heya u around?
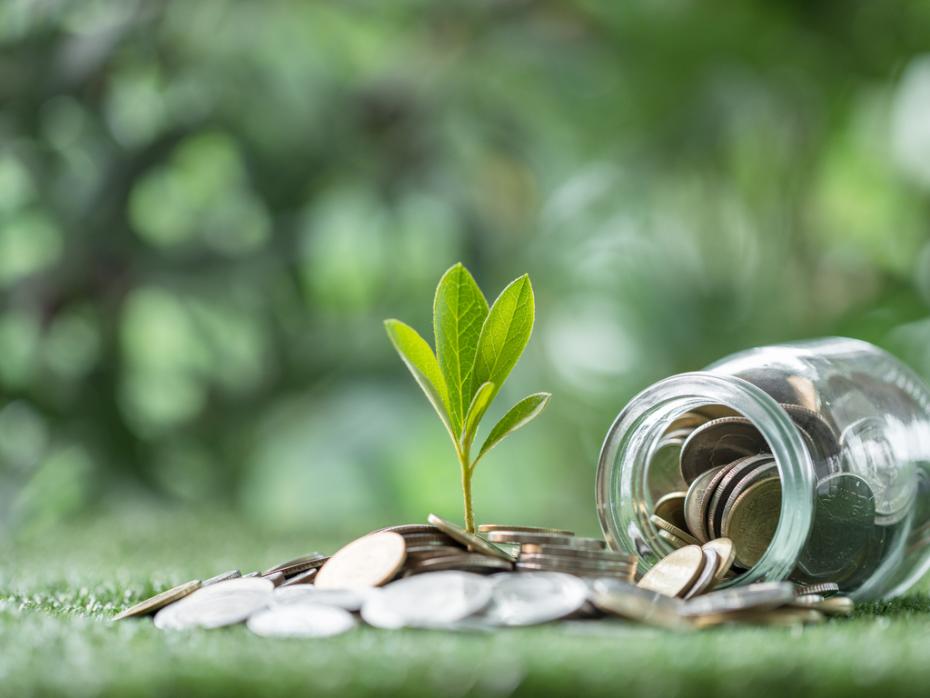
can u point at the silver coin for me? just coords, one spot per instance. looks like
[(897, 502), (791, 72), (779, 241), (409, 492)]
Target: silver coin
[(546, 539), (821, 589), (212, 610), (633, 603), (301, 579), (301, 620), (534, 598), (299, 564), (569, 552), (888, 472), (222, 577), (462, 561), (663, 474), (844, 522), (765, 595), (591, 563), (348, 599), (427, 600), (719, 442)]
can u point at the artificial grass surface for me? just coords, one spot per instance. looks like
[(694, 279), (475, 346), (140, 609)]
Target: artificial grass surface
[(58, 592)]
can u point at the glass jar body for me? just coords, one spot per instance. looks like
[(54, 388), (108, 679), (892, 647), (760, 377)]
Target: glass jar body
[(848, 426)]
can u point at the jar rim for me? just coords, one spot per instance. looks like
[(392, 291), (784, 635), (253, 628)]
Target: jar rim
[(622, 462)]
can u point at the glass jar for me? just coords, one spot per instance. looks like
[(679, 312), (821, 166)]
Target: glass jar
[(847, 430)]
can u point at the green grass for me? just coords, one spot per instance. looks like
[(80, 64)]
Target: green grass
[(57, 593)]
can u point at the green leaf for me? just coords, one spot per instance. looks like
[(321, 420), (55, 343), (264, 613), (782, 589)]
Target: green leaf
[(479, 405), (459, 310), (505, 332), (421, 361), (519, 415)]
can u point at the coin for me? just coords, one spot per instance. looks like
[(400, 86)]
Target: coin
[(410, 529), (674, 573), (687, 421), (419, 540), (836, 606), (546, 539), (694, 503), (470, 540), (566, 551), (732, 475), (487, 528), (726, 554), (785, 616), (662, 471), (424, 552), (634, 603), (366, 562), (301, 620), (674, 530), (762, 596), (707, 577), (428, 600), (301, 579), (879, 462), (821, 589), (298, 564), (671, 539), (812, 423), (751, 521), (472, 562), (842, 529), (276, 578), (575, 562), (671, 507), (221, 577), (719, 442), (348, 599), (535, 597), (160, 600), (218, 605)]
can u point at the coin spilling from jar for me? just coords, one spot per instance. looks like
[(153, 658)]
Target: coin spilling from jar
[(439, 576), (712, 475)]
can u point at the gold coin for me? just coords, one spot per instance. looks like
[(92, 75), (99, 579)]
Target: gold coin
[(671, 539), (675, 573), (689, 421), (569, 552), (751, 522), (694, 503), (673, 529), (836, 606), (706, 579), (369, 561), (735, 472), (160, 600), (470, 540), (671, 507), (726, 554), (487, 528)]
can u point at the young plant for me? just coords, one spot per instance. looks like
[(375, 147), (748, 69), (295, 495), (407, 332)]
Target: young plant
[(476, 348)]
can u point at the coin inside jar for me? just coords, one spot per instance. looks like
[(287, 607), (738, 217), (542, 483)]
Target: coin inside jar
[(719, 442), (751, 520)]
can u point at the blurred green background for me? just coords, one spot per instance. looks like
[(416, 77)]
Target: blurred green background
[(207, 208)]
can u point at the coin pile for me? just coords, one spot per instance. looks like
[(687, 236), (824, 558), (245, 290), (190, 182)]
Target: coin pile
[(712, 475), (437, 575)]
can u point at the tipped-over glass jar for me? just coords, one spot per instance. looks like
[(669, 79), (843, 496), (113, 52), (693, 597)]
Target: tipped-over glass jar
[(814, 458)]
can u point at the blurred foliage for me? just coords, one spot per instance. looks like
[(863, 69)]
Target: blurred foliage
[(206, 209)]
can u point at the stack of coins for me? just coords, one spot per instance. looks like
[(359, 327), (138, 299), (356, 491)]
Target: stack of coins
[(558, 550), (438, 575), (713, 476)]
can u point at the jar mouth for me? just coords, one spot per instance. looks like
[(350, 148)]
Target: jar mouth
[(623, 500)]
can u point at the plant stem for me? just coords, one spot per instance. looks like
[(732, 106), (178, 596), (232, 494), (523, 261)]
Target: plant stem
[(466, 492)]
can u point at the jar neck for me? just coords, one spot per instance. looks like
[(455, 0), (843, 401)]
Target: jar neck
[(623, 499)]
